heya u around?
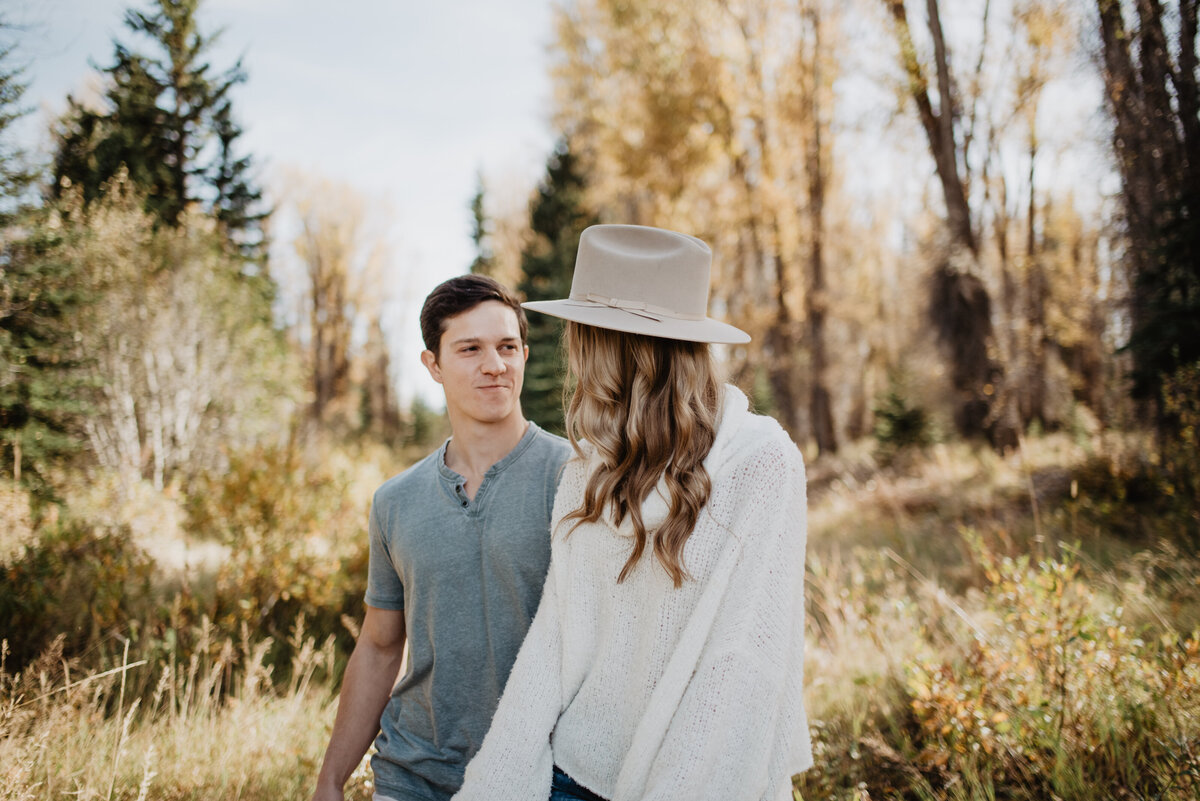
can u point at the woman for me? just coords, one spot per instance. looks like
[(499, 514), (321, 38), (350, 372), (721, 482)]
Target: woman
[(665, 660)]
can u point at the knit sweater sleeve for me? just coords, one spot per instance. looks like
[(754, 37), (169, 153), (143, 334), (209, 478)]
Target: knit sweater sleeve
[(739, 709)]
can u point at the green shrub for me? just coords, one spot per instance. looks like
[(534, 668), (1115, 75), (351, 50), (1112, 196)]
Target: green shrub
[(78, 580), (1146, 494), (297, 542), (294, 528), (899, 425), (1062, 698), (1181, 451)]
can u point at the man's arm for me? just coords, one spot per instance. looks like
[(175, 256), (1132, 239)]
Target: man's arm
[(370, 676)]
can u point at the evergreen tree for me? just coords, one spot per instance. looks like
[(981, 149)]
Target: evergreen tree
[(39, 403), (15, 176), (1166, 337), (483, 257), (557, 217), (40, 395), (1152, 78), (169, 121), (238, 202)]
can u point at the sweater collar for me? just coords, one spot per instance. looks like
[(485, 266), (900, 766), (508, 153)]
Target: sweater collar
[(733, 411)]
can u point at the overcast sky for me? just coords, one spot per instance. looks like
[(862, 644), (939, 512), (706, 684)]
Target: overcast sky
[(407, 101)]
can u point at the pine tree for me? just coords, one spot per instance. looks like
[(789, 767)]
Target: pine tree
[(238, 202), (1152, 78), (39, 402), (557, 217), (169, 121), (15, 176), (482, 265), (40, 395), (1165, 341)]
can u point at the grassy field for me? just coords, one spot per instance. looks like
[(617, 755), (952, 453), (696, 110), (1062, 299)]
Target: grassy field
[(1019, 627)]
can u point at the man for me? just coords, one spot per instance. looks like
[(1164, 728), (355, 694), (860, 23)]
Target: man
[(459, 549)]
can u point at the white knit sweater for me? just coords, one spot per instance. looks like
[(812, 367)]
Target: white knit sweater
[(641, 691)]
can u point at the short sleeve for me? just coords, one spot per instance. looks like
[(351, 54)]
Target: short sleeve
[(384, 588)]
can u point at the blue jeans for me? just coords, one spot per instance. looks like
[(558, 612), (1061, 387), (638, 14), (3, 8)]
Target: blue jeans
[(564, 788)]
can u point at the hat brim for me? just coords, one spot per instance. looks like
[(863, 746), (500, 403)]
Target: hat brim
[(646, 323)]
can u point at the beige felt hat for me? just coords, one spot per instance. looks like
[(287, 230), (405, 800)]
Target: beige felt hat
[(642, 280)]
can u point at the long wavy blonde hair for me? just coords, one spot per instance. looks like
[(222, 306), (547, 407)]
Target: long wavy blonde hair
[(649, 407)]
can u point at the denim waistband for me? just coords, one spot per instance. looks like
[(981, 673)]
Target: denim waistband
[(568, 788)]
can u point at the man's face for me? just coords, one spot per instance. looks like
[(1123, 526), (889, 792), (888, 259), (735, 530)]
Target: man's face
[(481, 363)]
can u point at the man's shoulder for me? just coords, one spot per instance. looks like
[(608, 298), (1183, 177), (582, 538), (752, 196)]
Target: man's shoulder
[(542, 462), (550, 446), (412, 480)]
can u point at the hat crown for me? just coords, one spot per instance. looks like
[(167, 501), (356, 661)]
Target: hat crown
[(634, 266), (642, 280)]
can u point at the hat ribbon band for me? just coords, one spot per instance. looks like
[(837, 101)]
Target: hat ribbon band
[(640, 308)]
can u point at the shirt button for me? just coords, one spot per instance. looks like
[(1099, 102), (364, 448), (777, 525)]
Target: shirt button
[(464, 504)]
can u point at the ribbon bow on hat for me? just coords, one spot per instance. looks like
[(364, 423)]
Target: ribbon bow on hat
[(647, 310)]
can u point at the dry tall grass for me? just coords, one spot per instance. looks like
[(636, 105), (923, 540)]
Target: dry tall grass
[(216, 726)]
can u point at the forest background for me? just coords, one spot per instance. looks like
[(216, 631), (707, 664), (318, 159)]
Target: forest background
[(994, 373)]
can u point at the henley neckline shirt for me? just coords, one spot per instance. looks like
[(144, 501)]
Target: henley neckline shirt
[(468, 575)]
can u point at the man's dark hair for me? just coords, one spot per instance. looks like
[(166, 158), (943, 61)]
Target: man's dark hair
[(461, 294)]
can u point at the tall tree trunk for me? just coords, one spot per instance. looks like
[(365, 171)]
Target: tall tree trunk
[(1008, 283), (1035, 316), (820, 403), (1130, 138), (939, 124), (780, 345), (379, 400), (781, 341), (960, 306), (1156, 139), (1187, 90)]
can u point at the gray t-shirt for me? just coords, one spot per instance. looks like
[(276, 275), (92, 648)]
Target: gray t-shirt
[(468, 575)]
